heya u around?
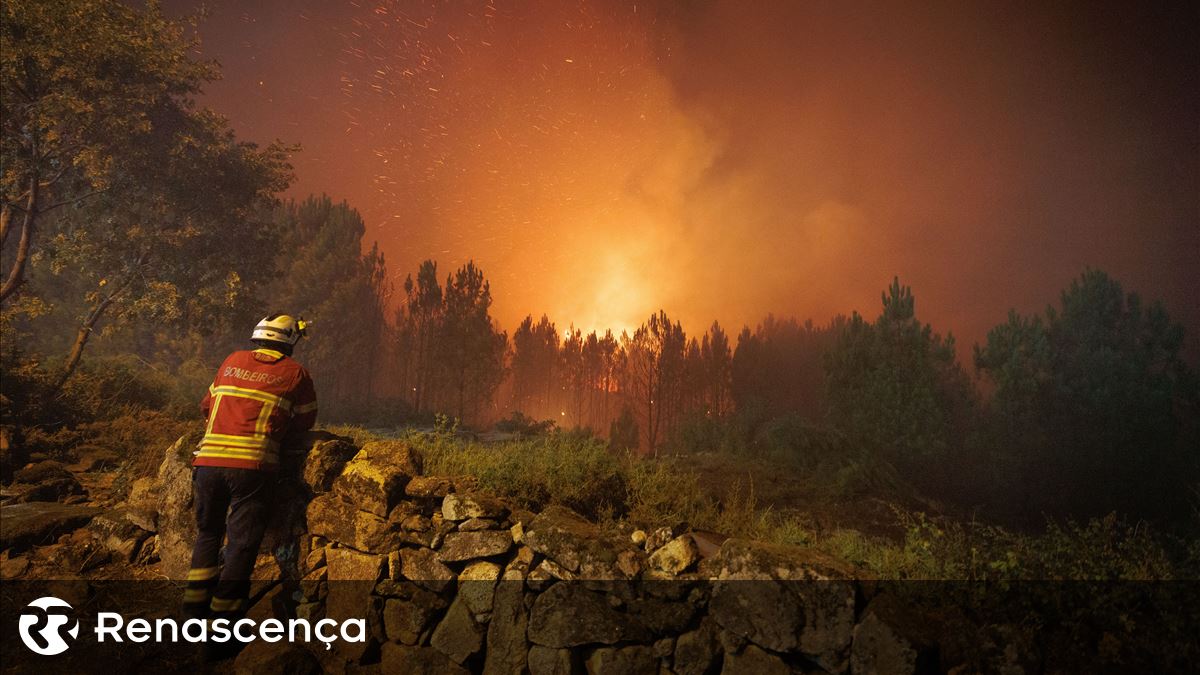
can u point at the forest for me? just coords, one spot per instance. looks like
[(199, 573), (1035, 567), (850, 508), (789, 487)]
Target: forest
[(142, 239)]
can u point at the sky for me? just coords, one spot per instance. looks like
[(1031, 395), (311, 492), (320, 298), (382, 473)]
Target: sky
[(724, 159)]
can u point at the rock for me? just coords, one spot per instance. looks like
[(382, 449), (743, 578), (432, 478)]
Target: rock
[(545, 661), (638, 537), (888, 639), (518, 532), (506, 647), (405, 660), (36, 523), (763, 611), (331, 516), (569, 540), (472, 505), (696, 650), (458, 636), (314, 559), (176, 521), (828, 621), (325, 462), (568, 615), (407, 617), (275, 658), (416, 523), (429, 487), (348, 565), (143, 496), (658, 538), (122, 531), (675, 556), (95, 459), (755, 661), (13, 452), (421, 566), (374, 479), (477, 524), (476, 586), (620, 660), (459, 546), (11, 568), (46, 481)]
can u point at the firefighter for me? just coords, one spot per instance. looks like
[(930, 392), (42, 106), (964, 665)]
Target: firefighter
[(257, 397)]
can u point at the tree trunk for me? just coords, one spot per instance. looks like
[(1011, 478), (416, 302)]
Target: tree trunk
[(81, 338), (16, 276)]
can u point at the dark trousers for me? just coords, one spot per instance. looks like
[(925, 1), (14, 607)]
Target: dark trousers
[(246, 496)]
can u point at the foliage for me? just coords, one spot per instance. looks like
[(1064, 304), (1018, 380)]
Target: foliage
[(1089, 405), (623, 433), (895, 389), (518, 423)]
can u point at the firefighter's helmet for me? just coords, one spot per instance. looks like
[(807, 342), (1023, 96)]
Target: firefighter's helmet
[(280, 328)]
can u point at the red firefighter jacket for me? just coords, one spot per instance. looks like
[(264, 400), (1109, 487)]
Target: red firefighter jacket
[(256, 398)]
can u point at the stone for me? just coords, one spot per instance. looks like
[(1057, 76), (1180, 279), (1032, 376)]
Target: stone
[(658, 538), (315, 559), (476, 586), (459, 546), (477, 524), (507, 650), (331, 516), (143, 496), (275, 658), (472, 505), (46, 481), (11, 568), (755, 661), (888, 640), (568, 615), (421, 566), (37, 523), (406, 618), (13, 452), (545, 661), (406, 660), (415, 523), (569, 540), (695, 651), (635, 660), (95, 459), (676, 556), (518, 532), (122, 531), (638, 537), (429, 487), (325, 462), (348, 565), (762, 611), (176, 521), (458, 636), (375, 478)]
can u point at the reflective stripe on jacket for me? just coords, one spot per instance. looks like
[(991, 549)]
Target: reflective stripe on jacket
[(257, 397)]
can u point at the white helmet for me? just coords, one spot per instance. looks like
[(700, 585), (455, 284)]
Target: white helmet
[(280, 328)]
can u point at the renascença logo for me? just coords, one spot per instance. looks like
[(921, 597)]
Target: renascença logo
[(44, 625)]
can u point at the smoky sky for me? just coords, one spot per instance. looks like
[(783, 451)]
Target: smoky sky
[(727, 159)]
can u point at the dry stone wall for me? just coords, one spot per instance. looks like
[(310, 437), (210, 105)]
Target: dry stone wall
[(454, 580)]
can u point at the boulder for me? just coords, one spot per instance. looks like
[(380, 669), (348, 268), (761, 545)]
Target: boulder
[(421, 566), (37, 523), (122, 531), (635, 660), (348, 565), (546, 661), (888, 639), (477, 524), (46, 481), (696, 650), (676, 556), (275, 658), (325, 462), (506, 647), (375, 478), (472, 505), (407, 616), (176, 521), (458, 546), (572, 542), (332, 517), (755, 661), (405, 660), (429, 487), (143, 495), (568, 615), (477, 585), (458, 636)]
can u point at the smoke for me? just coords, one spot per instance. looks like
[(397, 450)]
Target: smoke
[(724, 159)]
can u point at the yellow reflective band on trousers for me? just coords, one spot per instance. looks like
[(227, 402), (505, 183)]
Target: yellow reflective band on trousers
[(202, 573), (226, 604), (196, 596)]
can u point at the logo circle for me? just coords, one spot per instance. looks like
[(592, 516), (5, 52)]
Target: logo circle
[(44, 625)]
